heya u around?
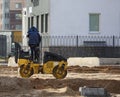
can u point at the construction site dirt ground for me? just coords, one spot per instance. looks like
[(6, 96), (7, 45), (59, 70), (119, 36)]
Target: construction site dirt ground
[(45, 85)]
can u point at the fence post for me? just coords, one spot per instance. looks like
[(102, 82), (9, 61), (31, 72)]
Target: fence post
[(113, 40), (77, 40), (77, 52)]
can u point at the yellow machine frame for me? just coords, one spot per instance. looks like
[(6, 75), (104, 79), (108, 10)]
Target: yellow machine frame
[(28, 68)]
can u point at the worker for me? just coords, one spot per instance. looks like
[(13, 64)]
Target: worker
[(34, 41)]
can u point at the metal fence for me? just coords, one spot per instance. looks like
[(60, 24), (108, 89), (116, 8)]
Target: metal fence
[(78, 41), (71, 46), (83, 46)]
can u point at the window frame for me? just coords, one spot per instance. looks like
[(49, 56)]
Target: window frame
[(37, 22), (46, 22), (32, 21), (93, 22), (18, 16), (42, 23), (18, 27), (18, 5)]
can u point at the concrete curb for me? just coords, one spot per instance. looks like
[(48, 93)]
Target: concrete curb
[(80, 61), (85, 61), (92, 61)]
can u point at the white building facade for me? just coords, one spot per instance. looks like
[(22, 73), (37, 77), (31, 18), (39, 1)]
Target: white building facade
[(74, 17), (4, 14), (85, 17)]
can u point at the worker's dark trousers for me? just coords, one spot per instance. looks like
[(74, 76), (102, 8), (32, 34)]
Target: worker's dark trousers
[(34, 52)]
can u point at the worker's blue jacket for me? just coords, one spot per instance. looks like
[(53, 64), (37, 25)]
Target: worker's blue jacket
[(34, 36)]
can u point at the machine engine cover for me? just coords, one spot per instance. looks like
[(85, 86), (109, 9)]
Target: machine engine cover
[(49, 56)]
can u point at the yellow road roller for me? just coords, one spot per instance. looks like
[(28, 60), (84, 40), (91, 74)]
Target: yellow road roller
[(52, 64)]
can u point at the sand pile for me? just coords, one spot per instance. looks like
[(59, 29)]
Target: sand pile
[(54, 87), (100, 69), (14, 83), (41, 87), (112, 86)]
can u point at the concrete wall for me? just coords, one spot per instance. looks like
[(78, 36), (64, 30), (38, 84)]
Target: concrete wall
[(42, 8), (71, 17), (92, 61), (109, 61), (86, 61), (32, 10), (13, 4), (83, 61)]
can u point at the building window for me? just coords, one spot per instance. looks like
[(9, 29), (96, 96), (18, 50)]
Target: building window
[(35, 2), (42, 23), (32, 21), (18, 16), (37, 22), (18, 5), (18, 27), (6, 4), (28, 22), (6, 26), (94, 22), (46, 22), (6, 15), (12, 26)]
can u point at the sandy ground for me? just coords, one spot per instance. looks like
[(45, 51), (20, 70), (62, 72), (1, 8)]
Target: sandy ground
[(45, 85)]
